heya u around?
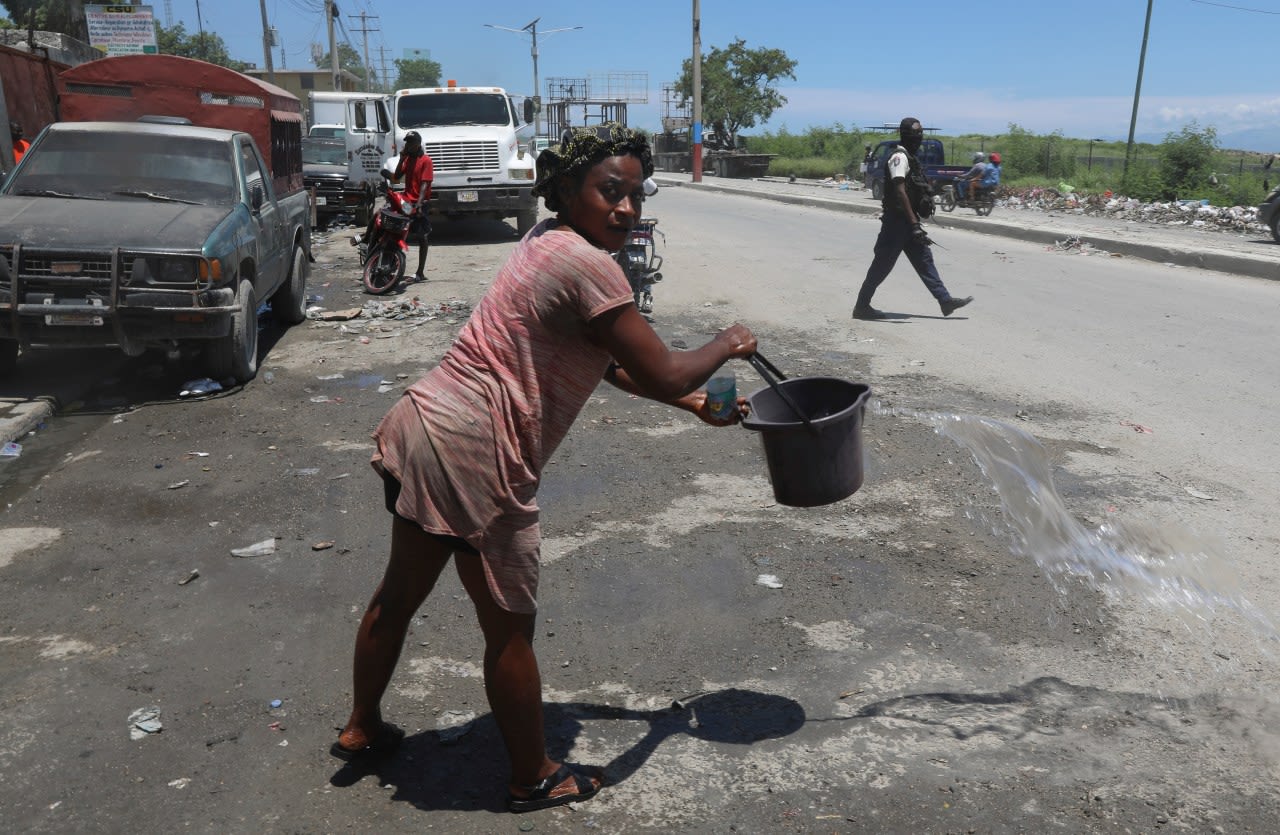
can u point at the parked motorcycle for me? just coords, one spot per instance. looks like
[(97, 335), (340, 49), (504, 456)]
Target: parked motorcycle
[(641, 262), (981, 200), (385, 251)]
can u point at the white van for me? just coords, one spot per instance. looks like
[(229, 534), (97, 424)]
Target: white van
[(480, 144)]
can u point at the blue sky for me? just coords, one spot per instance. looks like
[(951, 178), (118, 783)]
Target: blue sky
[(966, 67)]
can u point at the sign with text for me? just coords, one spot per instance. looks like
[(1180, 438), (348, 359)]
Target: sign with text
[(122, 30)]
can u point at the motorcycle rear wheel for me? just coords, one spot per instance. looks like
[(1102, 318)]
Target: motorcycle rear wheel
[(383, 270), (947, 200), (984, 208)]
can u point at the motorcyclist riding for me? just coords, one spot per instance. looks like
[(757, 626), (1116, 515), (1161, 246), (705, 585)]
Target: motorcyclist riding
[(973, 176)]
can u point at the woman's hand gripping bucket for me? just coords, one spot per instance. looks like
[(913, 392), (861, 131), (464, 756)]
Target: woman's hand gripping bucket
[(811, 429)]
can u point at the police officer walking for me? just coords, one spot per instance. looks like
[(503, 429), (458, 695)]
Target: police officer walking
[(907, 200)]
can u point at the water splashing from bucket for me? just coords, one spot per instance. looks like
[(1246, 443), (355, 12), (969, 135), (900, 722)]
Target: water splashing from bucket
[(1162, 565)]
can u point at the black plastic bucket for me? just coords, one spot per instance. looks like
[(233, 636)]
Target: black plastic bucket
[(818, 462)]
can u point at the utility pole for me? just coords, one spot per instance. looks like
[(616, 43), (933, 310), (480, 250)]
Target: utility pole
[(697, 91), (331, 11), (365, 30), (532, 28), (266, 42), (382, 64), (1137, 91)]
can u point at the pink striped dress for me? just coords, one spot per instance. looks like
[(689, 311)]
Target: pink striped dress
[(469, 440)]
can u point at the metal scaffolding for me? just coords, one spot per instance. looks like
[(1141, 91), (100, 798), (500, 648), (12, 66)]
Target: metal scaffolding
[(585, 101)]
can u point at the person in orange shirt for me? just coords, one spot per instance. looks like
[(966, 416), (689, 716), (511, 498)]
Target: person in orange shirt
[(20, 145)]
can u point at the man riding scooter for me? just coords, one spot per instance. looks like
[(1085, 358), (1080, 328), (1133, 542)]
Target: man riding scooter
[(972, 177)]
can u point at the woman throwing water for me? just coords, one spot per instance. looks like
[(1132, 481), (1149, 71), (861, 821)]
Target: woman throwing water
[(461, 454)]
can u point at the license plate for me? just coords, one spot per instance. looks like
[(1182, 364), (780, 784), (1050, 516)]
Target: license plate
[(81, 319), (73, 319), (321, 201), (470, 196)]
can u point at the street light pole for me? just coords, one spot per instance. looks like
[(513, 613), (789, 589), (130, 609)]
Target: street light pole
[(532, 29)]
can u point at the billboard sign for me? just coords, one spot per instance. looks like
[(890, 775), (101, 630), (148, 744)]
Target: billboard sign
[(121, 30)]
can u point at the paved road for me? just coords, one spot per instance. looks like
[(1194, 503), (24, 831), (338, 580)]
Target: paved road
[(25, 403), (911, 674)]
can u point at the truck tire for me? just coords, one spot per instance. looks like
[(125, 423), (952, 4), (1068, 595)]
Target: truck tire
[(526, 220), (8, 356), (289, 304), (236, 354), (877, 189)]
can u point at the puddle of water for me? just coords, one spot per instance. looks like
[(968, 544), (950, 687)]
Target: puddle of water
[(1163, 565)]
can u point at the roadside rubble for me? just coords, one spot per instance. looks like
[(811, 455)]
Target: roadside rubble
[(1193, 213), (374, 313)]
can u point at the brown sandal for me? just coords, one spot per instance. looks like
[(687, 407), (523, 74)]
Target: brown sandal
[(386, 742)]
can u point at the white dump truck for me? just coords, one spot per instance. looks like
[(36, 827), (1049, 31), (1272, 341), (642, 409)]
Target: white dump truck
[(480, 143)]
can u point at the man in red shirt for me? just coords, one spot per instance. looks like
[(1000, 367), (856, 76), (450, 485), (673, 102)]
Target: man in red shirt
[(418, 171)]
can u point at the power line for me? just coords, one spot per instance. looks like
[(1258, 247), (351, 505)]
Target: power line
[(1237, 8)]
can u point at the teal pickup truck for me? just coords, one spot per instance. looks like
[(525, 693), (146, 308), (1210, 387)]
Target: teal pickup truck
[(161, 213), (932, 157), (145, 236)]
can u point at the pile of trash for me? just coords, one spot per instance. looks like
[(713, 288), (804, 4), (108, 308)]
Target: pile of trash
[(1195, 213), (398, 310)]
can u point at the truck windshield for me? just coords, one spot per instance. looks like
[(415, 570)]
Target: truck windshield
[(103, 164), (426, 110), (324, 152)]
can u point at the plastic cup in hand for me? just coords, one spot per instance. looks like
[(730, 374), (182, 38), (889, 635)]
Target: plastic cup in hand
[(722, 396)]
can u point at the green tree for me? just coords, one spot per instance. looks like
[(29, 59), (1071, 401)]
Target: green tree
[(66, 16), (1026, 154), (416, 72), (206, 46), (348, 59), (1185, 161), (738, 87)]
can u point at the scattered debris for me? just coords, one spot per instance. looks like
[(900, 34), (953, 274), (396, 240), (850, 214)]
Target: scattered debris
[(321, 546), (195, 572), (1196, 494), (178, 485), (144, 721), (769, 581), (258, 549), (1137, 427), (10, 450), (337, 315), (180, 783), (195, 388), (1194, 213)]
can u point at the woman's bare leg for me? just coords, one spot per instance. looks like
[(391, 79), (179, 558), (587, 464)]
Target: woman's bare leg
[(511, 679), (417, 558)]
